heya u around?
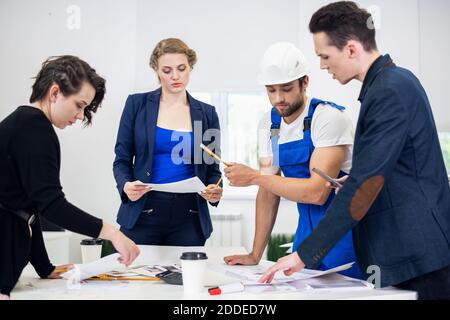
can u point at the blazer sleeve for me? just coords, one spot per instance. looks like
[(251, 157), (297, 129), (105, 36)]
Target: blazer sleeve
[(124, 149), (375, 156), (213, 173)]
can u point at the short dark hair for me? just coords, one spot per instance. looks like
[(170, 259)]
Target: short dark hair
[(343, 21), (301, 81), (69, 73)]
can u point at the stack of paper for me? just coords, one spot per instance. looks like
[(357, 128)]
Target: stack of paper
[(110, 268), (306, 279), (191, 185)]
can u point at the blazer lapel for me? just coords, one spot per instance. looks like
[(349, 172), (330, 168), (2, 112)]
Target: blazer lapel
[(152, 109), (196, 121)]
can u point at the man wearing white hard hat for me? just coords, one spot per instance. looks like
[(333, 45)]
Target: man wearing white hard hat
[(297, 135)]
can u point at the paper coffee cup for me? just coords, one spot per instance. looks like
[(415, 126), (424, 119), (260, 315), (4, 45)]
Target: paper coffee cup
[(193, 266), (91, 250)]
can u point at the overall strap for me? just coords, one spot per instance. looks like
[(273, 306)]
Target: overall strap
[(312, 107), (274, 135)]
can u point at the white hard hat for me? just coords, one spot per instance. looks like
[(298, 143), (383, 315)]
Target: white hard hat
[(282, 63)]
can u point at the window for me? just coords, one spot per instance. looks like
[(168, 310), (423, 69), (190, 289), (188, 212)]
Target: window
[(445, 146), (239, 114), (244, 113)]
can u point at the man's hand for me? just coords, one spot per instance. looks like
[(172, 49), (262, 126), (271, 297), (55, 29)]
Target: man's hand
[(289, 264), (240, 175), (242, 259), (135, 190), (340, 180), (4, 297)]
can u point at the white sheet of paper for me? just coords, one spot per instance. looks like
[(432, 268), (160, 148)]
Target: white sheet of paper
[(308, 273), (191, 185), (251, 274), (306, 279), (330, 281), (88, 270)]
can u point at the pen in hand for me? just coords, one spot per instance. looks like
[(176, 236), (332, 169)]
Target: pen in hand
[(218, 182), (212, 154)]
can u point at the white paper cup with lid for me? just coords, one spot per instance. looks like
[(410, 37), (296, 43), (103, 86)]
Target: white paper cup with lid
[(91, 250), (193, 266)]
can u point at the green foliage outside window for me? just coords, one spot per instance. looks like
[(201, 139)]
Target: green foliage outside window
[(274, 252), (445, 146)]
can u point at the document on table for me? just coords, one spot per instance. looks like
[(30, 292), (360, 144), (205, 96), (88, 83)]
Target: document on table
[(191, 185), (331, 281), (88, 270), (251, 274), (306, 279), (109, 265)]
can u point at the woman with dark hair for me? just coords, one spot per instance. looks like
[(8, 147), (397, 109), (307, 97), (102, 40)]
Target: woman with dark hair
[(66, 89), (152, 128)]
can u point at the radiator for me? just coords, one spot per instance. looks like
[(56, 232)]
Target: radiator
[(227, 230)]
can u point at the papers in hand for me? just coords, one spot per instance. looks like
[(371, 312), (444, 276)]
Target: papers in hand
[(191, 185), (88, 270)]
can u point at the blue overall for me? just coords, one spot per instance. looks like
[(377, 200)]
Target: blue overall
[(293, 159)]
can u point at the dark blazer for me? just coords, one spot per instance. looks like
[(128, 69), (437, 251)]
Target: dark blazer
[(134, 152), (397, 196)]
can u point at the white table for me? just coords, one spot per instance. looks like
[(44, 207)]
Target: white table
[(31, 287)]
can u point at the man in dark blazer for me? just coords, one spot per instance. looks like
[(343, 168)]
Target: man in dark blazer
[(397, 197)]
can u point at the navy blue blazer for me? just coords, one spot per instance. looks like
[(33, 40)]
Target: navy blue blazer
[(134, 152), (403, 226)]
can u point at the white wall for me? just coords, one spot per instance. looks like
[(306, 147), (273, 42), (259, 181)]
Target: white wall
[(434, 63), (30, 31), (228, 36), (116, 37)]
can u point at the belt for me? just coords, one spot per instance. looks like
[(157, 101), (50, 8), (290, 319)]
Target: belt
[(29, 218)]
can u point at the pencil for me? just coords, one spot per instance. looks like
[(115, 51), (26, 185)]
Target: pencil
[(218, 182), (123, 279), (61, 269), (106, 277), (212, 154)]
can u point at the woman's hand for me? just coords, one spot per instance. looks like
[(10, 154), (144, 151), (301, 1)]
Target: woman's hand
[(59, 270), (135, 190), (4, 297), (212, 193), (127, 249)]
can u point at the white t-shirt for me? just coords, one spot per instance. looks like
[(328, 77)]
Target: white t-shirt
[(329, 127)]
